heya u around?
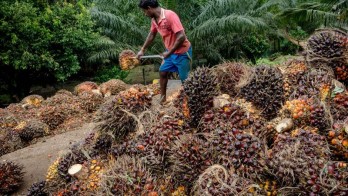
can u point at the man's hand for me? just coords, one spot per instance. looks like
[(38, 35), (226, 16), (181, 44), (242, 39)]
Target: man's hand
[(140, 53), (165, 55)]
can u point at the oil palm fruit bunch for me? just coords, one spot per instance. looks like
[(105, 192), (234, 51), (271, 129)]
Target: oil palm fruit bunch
[(85, 86), (73, 157), (292, 72), (112, 87), (341, 71), (103, 143), (265, 90), (115, 113), (298, 109), (37, 189), (155, 145), (32, 101), (339, 107), (338, 139), (128, 176), (327, 45), (329, 180), (53, 116), (318, 116), (58, 108), (154, 88), (129, 147), (291, 155), (227, 117), (64, 92), (127, 60), (189, 156), (11, 177), (7, 119), (314, 83), (238, 150), (113, 119), (28, 130), (230, 75), (181, 103), (200, 88), (217, 180), (90, 101)]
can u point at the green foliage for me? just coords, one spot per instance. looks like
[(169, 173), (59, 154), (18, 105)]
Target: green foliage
[(277, 59), (107, 73), (123, 26), (222, 29), (255, 46), (41, 45)]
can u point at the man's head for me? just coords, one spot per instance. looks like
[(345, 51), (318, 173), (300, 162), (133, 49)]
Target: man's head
[(149, 6)]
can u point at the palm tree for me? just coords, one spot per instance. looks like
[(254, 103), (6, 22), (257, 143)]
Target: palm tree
[(123, 25), (309, 15), (223, 25)]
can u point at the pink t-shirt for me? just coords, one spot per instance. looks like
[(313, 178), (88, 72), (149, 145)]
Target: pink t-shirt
[(169, 24)]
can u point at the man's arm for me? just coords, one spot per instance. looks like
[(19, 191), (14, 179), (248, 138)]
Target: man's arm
[(180, 38), (148, 41)]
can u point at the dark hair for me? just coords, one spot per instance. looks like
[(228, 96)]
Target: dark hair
[(145, 4)]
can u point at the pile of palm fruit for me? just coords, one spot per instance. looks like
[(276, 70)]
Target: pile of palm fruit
[(231, 130), (24, 123), (224, 133)]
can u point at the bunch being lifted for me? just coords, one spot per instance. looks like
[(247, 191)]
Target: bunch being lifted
[(266, 130)]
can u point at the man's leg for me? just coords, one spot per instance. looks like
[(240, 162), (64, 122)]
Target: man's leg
[(163, 85), (165, 68)]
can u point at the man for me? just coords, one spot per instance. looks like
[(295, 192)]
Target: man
[(177, 57)]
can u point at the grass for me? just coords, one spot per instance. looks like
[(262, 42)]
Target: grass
[(135, 75)]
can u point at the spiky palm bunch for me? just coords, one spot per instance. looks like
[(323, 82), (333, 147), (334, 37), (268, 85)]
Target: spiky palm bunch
[(331, 179), (58, 108), (338, 139), (155, 145), (32, 101), (127, 60), (189, 156), (227, 117), (37, 189), (112, 87), (327, 45), (200, 88), (103, 143), (339, 107), (238, 150), (90, 101), (312, 83), (217, 180), (116, 113), (127, 176), (11, 177), (28, 130), (85, 86), (265, 90), (230, 75), (293, 155), (293, 70)]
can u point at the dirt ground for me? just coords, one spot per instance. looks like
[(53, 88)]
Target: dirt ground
[(38, 157)]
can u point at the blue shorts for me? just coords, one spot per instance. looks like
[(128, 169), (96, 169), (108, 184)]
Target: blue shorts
[(180, 63)]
